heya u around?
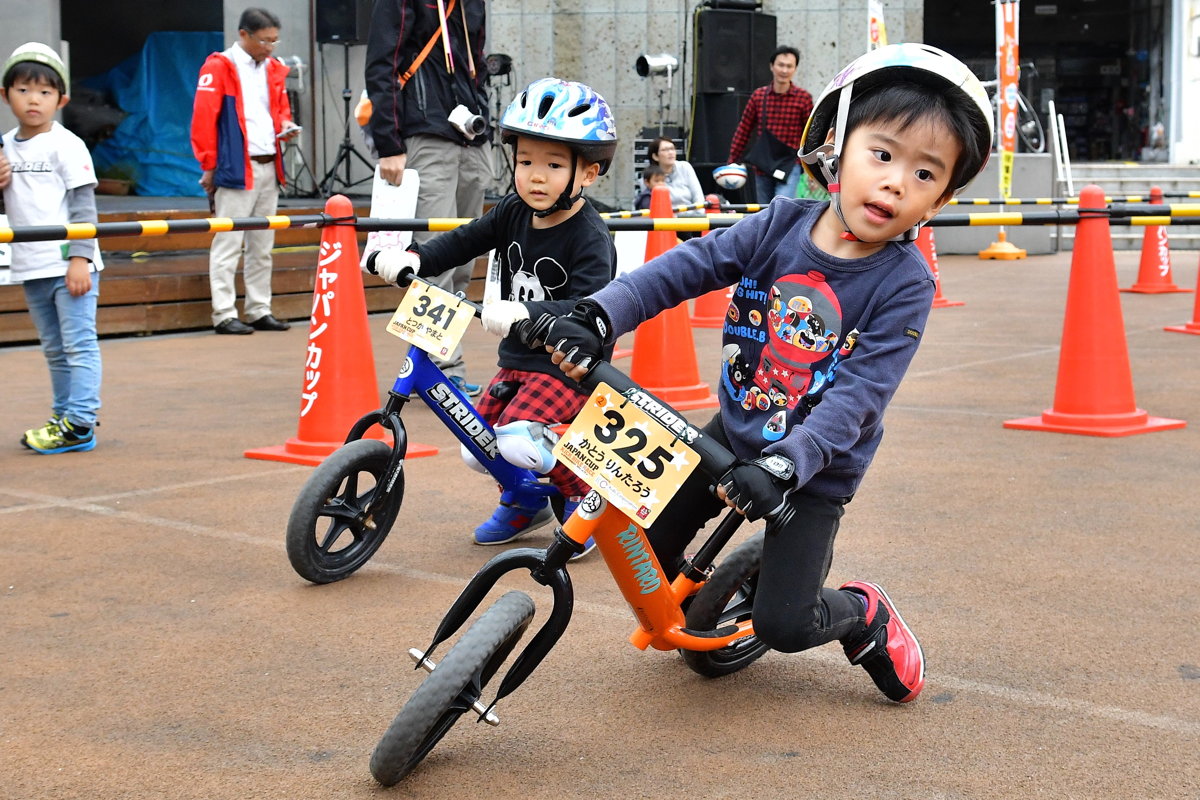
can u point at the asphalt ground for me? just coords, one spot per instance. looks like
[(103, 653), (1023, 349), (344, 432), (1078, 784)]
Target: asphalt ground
[(156, 643)]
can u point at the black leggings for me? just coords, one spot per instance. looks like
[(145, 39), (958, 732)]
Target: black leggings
[(793, 610)]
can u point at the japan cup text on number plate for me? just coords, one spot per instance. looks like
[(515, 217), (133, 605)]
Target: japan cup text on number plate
[(625, 455), (431, 319)]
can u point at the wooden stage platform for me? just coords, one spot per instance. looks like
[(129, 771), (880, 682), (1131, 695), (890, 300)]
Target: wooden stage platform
[(158, 284)]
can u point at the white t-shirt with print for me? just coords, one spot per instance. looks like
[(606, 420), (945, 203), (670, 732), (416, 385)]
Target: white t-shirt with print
[(44, 169)]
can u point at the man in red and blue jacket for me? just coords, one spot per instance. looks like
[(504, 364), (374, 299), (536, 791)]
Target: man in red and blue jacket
[(240, 117)]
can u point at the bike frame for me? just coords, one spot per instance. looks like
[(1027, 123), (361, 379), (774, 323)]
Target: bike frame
[(420, 375), (657, 605)]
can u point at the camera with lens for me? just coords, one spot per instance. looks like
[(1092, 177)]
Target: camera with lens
[(468, 124)]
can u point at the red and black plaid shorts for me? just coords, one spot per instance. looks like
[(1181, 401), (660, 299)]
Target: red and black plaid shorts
[(539, 398)]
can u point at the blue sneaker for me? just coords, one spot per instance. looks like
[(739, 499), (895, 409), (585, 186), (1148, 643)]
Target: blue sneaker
[(59, 437), (569, 506), (512, 522), (469, 389)]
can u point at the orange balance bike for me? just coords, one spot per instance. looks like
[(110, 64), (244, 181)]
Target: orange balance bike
[(635, 451)]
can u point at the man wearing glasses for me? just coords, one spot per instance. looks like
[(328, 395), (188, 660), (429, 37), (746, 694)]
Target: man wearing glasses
[(240, 119)]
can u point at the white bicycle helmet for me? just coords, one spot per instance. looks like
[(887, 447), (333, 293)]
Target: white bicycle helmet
[(563, 111), (918, 63), (42, 54)]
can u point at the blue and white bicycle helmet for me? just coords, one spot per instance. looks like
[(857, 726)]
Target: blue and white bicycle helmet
[(919, 63), (563, 111)]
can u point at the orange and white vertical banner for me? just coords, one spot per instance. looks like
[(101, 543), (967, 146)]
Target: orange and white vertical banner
[(1008, 72), (876, 30)]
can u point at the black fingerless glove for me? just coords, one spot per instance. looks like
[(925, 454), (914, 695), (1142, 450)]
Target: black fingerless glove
[(759, 488), (580, 335)]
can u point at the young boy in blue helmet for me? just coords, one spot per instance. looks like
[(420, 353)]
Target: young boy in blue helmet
[(552, 247), (831, 301)]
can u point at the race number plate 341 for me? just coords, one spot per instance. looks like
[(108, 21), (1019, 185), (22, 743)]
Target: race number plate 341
[(431, 319), (626, 455)]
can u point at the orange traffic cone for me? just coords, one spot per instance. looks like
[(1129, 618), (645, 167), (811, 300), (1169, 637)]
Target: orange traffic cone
[(708, 310), (339, 383), (929, 250), (1194, 325), (1094, 393), (1154, 271), (664, 354)]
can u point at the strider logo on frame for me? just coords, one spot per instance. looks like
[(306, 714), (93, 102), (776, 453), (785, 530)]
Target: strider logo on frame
[(665, 416), (464, 418)]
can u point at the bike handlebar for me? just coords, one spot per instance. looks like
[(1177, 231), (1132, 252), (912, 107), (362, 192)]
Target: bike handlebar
[(715, 459)]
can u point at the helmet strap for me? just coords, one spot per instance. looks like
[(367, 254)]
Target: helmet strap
[(564, 201)]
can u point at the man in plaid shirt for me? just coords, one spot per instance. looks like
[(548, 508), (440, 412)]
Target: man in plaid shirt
[(785, 108)]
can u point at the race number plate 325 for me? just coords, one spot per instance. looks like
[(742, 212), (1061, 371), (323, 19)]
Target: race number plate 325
[(626, 455), (431, 319)]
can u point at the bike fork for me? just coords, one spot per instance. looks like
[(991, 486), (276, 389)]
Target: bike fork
[(548, 568)]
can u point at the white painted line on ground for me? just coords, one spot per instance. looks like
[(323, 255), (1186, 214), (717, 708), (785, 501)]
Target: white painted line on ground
[(1020, 697)]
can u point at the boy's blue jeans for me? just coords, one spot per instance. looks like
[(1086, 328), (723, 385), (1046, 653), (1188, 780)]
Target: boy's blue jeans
[(767, 188), (66, 326)]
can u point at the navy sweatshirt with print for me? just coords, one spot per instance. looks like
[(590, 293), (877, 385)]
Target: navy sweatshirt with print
[(814, 346)]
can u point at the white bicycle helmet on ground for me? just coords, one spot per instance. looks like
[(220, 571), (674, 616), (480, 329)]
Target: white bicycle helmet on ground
[(918, 63), (563, 111)]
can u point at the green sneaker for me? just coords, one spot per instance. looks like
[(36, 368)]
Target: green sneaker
[(50, 423), (62, 437)]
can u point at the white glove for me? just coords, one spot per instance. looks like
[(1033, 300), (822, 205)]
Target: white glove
[(498, 317), (392, 263)]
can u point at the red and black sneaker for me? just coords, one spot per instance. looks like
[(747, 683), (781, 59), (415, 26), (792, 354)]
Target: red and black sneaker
[(887, 649)]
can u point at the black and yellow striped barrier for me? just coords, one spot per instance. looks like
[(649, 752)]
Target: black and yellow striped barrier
[(645, 212), (160, 227), (1010, 201), (1136, 215), (1061, 201)]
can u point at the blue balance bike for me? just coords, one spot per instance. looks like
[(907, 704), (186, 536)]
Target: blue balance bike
[(350, 502)]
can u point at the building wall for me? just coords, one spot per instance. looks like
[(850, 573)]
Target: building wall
[(595, 41), (599, 41), (1184, 133)]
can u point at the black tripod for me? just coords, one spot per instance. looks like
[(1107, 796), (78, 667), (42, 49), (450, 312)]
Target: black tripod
[(346, 152)]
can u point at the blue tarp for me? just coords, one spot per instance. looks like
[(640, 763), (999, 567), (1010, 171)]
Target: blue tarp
[(155, 88)]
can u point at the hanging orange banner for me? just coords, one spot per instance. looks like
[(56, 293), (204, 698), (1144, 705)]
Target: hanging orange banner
[(1008, 72), (876, 30)]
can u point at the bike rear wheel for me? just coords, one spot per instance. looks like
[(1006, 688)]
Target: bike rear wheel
[(451, 688), (727, 598), (343, 512), (1029, 127)]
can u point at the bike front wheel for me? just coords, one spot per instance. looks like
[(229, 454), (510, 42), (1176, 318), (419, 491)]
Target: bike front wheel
[(1029, 127), (343, 512), (727, 598), (451, 688)]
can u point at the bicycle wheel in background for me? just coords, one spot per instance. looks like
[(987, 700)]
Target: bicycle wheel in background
[(727, 598), (451, 688), (1029, 127), (330, 532)]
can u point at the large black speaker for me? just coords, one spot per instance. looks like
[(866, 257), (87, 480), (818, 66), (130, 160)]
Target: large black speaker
[(715, 118), (343, 21), (733, 49)]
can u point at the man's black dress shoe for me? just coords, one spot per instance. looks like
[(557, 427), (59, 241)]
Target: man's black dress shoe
[(233, 326), (269, 323)]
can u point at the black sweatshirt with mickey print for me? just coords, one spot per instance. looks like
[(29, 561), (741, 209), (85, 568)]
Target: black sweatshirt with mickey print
[(548, 269)]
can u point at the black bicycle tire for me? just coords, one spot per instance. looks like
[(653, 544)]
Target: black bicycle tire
[(324, 492), (465, 669), (1025, 109), (711, 609)]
